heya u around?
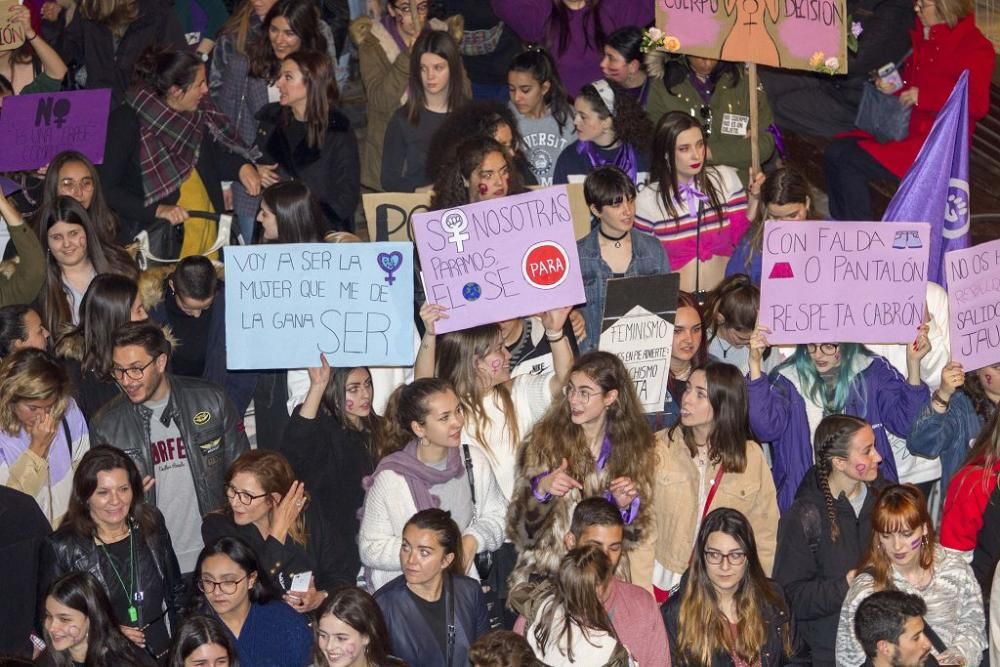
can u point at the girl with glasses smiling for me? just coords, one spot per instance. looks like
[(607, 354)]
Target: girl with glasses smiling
[(592, 441), (727, 613), (787, 404), (235, 589)]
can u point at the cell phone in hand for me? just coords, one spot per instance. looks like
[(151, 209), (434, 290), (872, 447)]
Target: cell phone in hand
[(889, 74)]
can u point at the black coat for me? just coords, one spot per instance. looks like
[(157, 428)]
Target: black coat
[(121, 174), (23, 527), (779, 625), (814, 576), (322, 554), (66, 551), (412, 639), (332, 171), (332, 462), (90, 44)]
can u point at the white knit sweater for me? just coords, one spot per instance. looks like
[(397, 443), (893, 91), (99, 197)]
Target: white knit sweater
[(954, 609), (389, 505)]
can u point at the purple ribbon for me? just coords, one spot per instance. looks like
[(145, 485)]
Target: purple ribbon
[(779, 141), (692, 196), (624, 159)]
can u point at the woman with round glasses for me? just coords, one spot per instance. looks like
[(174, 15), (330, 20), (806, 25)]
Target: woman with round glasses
[(593, 441), (267, 509), (110, 532), (233, 587), (787, 404), (727, 612), (707, 461)]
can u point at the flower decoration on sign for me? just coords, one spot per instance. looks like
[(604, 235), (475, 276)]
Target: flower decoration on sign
[(821, 63), (854, 34), (654, 39)]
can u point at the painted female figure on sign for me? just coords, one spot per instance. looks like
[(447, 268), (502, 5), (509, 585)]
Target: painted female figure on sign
[(749, 41)]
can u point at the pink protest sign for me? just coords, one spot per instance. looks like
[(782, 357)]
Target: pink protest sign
[(843, 282), (974, 304), (793, 34), (500, 259), (38, 127)]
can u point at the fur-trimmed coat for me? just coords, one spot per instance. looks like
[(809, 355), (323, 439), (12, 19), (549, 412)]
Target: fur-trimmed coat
[(537, 529)]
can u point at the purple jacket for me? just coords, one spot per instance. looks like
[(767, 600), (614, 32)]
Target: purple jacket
[(879, 394), (581, 62)]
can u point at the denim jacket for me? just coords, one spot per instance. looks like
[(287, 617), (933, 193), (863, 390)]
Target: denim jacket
[(648, 259)]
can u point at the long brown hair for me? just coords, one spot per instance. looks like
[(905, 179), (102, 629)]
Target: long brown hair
[(727, 394), (899, 507), (103, 458), (663, 169), (441, 44), (786, 185), (703, 627), (582, 572), (275, 475), (317, 73), (985, 451), (833, 440), (115, 15), (238, 25), (457, 354), (334, 400), (31, 375), (556, 437)]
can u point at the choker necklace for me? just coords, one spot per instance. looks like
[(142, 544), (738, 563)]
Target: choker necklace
[(605, 147), (616, 239)]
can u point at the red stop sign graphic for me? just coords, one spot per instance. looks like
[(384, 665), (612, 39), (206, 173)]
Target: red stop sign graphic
[(545, 265)]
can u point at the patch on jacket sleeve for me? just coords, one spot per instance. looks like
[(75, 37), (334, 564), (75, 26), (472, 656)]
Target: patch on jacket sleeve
[(202, 418)]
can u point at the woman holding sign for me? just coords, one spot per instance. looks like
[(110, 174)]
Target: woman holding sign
[(707, 461), (821, 379), (594, 440)]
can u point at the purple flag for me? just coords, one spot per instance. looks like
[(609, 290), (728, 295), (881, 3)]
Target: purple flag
[(936, 187)]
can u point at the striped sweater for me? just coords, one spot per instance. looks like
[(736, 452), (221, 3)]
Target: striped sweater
[(680, 236), (954, 609)]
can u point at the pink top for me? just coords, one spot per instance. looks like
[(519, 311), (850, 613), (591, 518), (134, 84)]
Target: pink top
[(680, 237)]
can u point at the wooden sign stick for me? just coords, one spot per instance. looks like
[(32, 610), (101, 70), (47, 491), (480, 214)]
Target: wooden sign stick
[(754, 130)]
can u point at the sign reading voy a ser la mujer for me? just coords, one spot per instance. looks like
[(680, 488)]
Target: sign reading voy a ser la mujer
[(843, 282), (500, 259)]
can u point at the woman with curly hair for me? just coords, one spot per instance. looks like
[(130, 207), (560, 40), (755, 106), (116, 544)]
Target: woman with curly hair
[(706, 461), (593, 441), (612, 129), (479, 171), (727, 612), (697, 212)]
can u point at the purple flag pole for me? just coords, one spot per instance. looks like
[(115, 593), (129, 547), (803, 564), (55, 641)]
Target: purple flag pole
[(936, 187)]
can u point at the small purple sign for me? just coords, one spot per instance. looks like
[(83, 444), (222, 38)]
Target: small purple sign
[(40, 126), (843, 282), (500, 259), (974, 304)]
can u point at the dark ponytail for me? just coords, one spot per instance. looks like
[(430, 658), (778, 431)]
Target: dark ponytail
[(539, 64), (448, 534), (161, 69), (407, 404), (833, 438)]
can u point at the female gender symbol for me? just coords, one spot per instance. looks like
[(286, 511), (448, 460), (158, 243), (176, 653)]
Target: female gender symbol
[(390, 263)]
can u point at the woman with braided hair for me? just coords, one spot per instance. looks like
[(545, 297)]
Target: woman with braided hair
[(821, 537)]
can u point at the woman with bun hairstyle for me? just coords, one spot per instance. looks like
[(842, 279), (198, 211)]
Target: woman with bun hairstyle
[(169, 150), (823, 535), (594, 440), (350, 632), (422, 465), (573, 31), (903, 554), (697, 212), (705, 461), (612, 129), (542, 110)]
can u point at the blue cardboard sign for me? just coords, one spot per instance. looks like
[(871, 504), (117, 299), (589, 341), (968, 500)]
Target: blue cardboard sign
[(288, 303)]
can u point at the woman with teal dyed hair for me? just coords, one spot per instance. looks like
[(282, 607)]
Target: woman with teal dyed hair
[(823, 379)]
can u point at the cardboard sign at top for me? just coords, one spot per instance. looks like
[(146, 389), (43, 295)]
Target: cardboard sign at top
[(11, 34), (792, 34)]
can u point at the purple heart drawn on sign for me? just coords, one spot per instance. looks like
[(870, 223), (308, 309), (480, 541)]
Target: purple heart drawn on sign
[(390, 263)]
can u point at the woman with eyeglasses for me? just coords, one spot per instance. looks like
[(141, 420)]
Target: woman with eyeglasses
[(903, 554), (823, 534), (234, 587), (72, 174), (110, 532), (727, 612), (820, 379), (785, 195), (706, 461), (268, 510), (593, 441)]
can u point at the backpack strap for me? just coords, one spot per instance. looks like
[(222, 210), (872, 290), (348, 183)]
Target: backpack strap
[(470, 474), (69, 439)]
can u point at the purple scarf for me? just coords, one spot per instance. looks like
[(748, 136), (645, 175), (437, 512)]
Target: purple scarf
[(419, 476), (389, 24), (624, 159)]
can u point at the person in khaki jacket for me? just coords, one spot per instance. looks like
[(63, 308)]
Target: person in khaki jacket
[(384, 56), (707, 461)]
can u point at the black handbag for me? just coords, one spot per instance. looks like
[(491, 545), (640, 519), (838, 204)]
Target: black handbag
[(883, 116)]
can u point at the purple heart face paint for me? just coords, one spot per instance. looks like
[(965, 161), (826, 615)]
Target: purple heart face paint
[(862, 457), (341, 644)]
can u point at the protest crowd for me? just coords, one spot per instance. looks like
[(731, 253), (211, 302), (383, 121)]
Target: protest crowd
[(372, 333)]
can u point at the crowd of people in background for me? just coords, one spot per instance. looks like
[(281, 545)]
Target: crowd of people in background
[(507, 501)]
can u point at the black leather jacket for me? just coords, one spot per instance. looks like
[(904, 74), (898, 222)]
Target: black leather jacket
[(209, 425), (67, 551)]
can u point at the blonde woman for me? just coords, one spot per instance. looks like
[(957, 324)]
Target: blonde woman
[(43, 434)]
